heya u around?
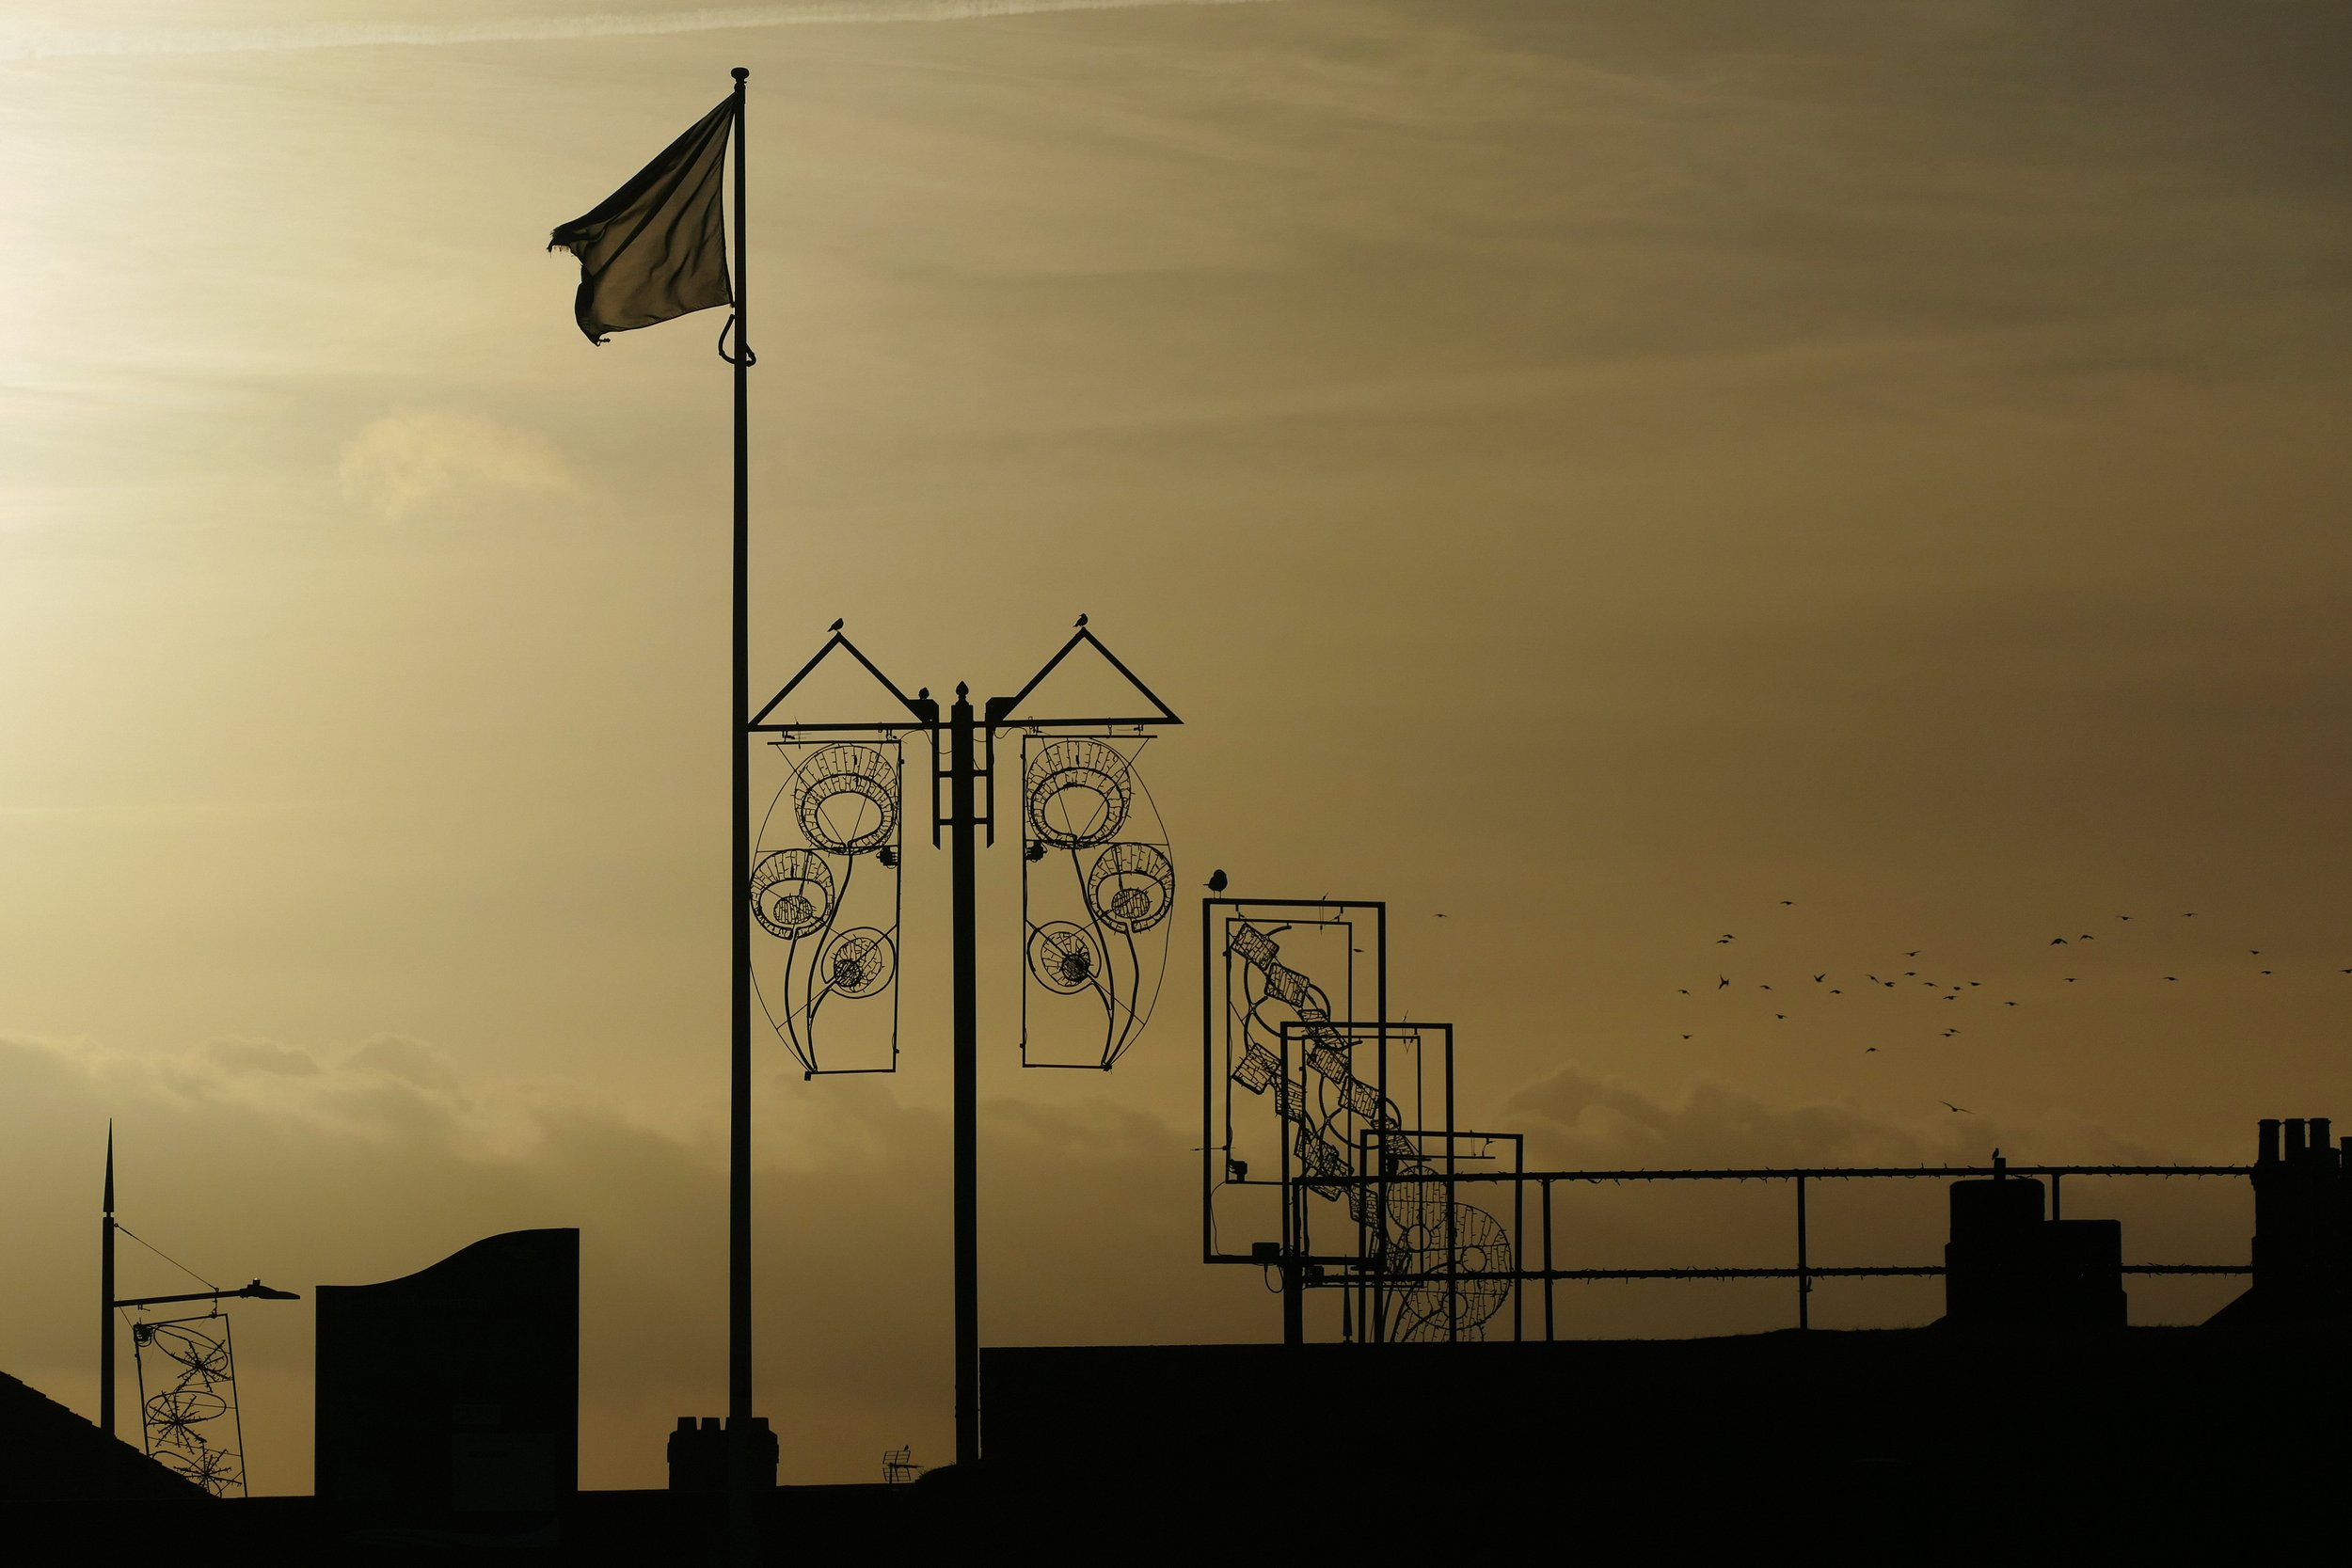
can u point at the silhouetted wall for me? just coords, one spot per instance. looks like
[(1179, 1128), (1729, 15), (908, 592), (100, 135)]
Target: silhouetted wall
[(454, 1394)]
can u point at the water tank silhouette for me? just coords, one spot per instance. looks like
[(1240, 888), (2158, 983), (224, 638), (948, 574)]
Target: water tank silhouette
[(452, 1395), (2006, 1267)]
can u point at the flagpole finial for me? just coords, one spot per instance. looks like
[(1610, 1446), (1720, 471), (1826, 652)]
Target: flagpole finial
[(742, 74)]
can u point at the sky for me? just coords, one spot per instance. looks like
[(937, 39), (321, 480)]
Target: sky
[(1862, 479)]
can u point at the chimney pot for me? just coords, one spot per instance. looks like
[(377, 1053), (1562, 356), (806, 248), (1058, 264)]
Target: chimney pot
[(2295, 1145), (2268, 1153)]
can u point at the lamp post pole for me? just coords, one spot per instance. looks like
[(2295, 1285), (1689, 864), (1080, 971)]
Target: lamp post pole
[(962, 764)]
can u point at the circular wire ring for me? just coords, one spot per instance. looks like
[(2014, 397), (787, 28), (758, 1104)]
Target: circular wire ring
[(862, 771), (791, 893), (1066, 770)]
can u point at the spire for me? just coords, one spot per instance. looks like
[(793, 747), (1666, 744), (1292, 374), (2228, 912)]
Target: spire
[(111, 1166)]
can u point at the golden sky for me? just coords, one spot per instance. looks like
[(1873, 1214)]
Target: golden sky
[(1596, 469)]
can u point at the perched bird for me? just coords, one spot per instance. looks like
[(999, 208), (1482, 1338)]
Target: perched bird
[(1216, 880), (1956, 1110), (1082, 620), (835, 626)]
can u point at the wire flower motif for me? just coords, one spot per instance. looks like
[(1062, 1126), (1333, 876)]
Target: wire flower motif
[(830, 845), (1097, 887)]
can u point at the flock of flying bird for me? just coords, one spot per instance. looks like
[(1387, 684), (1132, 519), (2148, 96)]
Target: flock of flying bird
[(1893, 977)]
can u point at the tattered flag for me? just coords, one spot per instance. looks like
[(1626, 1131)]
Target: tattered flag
[(657, 247)]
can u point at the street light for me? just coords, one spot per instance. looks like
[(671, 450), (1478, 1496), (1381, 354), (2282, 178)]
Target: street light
[(970, 757), (204, 1389)]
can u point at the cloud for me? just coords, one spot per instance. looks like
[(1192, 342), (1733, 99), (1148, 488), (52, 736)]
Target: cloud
[(35, 45), (420, 458)]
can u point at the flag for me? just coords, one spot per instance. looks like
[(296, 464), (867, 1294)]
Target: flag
[(657, 247)]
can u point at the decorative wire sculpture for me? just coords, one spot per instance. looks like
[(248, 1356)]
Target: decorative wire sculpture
[(1452, 1261), (192, 1421), (834, 925), (1096, 889)]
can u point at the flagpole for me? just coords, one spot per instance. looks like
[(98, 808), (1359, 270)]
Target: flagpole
[(743, 1530)]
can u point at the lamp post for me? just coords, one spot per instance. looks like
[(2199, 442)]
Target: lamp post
[(970, 758), (108, 1303)]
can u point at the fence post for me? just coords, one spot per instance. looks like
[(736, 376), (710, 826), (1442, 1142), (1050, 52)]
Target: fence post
[(1804, 1279)]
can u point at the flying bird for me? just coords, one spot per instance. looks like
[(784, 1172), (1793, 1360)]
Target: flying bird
[(1682, 991), (1216, 880), (1763, 988), (1779, 1015), (1956, 1110), (1869, 1050), (1786, 903), (1818, 978), (1723, 980), (1912, 953), (2172, 978), (2058, 941)]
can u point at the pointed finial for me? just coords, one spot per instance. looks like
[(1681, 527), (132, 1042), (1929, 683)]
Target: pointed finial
[(110, 1165), (740, 73), (962, 692)]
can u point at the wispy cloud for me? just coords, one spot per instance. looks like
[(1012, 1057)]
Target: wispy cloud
[(416, 457), (64, 43)]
